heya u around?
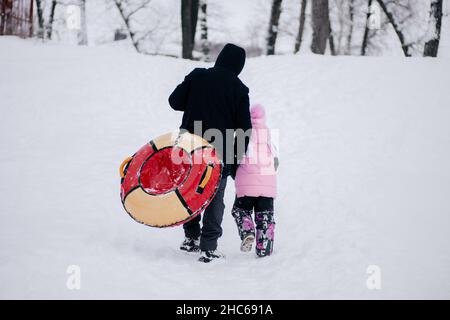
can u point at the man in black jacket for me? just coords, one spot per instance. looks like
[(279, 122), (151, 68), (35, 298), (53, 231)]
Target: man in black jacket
[(217, 99)]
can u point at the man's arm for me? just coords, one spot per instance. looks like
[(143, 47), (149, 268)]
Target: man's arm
[(177, 99), (244, 123)]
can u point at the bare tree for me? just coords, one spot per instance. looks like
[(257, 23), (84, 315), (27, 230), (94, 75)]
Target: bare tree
[(321, 26), (301, 27), (126, 15), (40, 19), (366, 29), (2, 17), (51, 19), (341, 11), (273, 26), (189, 16), (400, 35), (332, 43), (351, 14), (432, 45), (204, 29), (195, 9), (82, 33)]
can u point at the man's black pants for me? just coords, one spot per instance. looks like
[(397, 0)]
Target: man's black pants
[(212, 221)]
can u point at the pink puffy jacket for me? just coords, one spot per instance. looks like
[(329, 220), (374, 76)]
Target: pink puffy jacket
[(256, 174)]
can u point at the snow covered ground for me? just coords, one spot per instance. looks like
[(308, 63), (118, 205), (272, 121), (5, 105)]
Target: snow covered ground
[(364, 177)]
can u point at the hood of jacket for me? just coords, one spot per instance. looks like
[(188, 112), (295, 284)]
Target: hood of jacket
[(231, 58)]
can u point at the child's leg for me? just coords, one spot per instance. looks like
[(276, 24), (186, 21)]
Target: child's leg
[(242, 213), (265, 226)]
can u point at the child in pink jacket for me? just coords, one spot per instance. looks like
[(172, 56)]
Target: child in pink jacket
[(256, 188)]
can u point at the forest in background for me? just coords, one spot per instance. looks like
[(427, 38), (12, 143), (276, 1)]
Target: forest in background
[(197, 29)]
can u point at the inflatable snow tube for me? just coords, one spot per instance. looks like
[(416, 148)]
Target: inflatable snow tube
[(170, 180)]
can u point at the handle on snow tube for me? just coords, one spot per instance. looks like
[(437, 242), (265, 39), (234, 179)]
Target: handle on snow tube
[(122, 166), (205, 178)]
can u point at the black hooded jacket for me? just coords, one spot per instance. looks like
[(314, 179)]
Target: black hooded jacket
[(215, 96)]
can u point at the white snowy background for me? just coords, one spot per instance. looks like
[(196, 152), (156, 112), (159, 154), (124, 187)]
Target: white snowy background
[(364, 176)]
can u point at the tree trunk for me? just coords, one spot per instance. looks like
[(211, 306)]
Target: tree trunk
[(331, 40), (7, 16), (332, 44), (82, 33), (351, 14), (432, 46), (273, 26), (195, 9), (2, 17), (321, 26), (399, 33), (189, 16), (204, 29), (366, 30), (301, 27), (51, 19), (40, 19)]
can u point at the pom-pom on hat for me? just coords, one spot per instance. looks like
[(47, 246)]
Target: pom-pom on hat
[(257, 112)]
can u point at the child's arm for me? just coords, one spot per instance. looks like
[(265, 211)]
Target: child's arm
[(274, 151), (276, 163)]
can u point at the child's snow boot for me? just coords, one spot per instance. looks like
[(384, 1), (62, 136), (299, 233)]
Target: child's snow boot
[(210, 255), (265, 226), (247, 243), (246, 227), (190, 245)]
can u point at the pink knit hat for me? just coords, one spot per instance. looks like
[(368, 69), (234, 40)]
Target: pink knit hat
[(257, 112)]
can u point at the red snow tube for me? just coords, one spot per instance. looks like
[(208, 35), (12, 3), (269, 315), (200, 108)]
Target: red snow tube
[(170, 180)]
